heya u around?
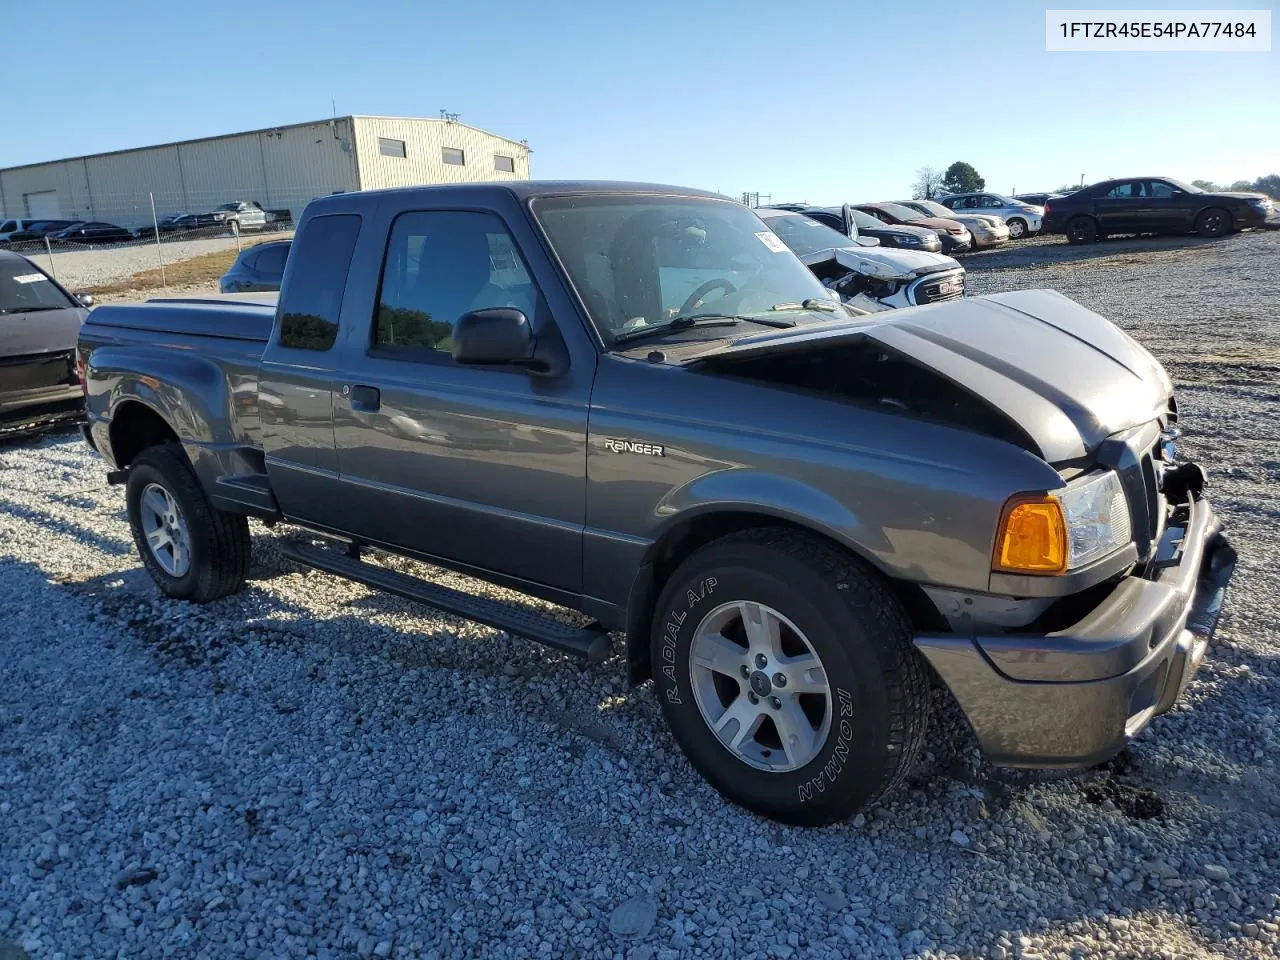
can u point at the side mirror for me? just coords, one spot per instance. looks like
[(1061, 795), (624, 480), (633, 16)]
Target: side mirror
[(499, 335), (86, 299)]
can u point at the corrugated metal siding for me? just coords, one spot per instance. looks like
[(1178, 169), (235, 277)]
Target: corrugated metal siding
[(423, 162), (284, 168)]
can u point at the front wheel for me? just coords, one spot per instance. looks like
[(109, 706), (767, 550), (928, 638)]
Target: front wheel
[(192, 551), (1213, 222), (1017, 228), (785, 669)]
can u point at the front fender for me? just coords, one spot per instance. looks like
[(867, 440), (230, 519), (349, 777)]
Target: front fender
[(745, 490)]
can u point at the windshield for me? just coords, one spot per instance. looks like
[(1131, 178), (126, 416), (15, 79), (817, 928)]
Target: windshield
[(1182, 186), (642, 261), (899, 211), (865, 221), (23, 286), (805, 236), (934, 208)]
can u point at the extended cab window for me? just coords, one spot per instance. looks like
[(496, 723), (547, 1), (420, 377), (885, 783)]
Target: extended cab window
[(441, 265), (312, 297)]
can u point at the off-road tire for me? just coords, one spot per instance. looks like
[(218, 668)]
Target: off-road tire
[(1082, 230), (219, 541), (879, 688), (1214, 222)]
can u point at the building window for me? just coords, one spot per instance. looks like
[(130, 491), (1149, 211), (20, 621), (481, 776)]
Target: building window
[(391, 148), (453, 156), (505, 164)]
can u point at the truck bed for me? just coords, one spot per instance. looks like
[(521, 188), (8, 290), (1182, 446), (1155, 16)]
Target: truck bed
[(185, 318)]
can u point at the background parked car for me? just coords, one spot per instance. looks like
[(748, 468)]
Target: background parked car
[(955, 238), (854, 223), (1023, 218), (258, 268), (987, 230), (39, 325), (240, 215), (1037, 199), (867, 278), (36, 230), (92, 232), (1153, 205), (10, 227)]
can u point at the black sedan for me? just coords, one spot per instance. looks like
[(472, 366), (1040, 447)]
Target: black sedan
[(258, 268), (91, 232), (904, 236), (1152, 205), (39, 325)]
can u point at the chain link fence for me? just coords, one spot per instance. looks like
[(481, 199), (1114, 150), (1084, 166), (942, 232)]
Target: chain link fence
[(113, 237)]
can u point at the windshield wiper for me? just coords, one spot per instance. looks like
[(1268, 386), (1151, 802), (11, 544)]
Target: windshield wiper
[(35, 309), (698, 320)]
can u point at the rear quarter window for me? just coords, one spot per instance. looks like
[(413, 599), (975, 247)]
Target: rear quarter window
[(318, 265)]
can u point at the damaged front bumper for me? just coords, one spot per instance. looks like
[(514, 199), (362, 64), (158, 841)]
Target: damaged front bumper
[(1075, 697)]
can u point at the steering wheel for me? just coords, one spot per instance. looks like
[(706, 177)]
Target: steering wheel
[(696, 298)]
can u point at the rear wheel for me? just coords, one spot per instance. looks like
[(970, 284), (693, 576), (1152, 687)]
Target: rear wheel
[(785, 669), (1017, 228), (192, 551), (1213, 222), (1082, 230)]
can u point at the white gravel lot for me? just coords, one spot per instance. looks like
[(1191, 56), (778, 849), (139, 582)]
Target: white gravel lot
[(309, 769)]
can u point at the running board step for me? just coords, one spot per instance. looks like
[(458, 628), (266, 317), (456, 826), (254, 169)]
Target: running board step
[(591, 642)]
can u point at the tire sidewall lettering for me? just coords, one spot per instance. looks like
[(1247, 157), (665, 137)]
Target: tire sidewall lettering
[(672, 623)]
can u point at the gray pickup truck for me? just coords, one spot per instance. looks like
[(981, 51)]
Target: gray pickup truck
[(633, 401)]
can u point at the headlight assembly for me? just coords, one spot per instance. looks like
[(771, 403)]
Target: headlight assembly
[(1065, 530)]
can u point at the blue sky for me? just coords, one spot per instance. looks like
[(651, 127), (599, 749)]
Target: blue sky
[(811, 101)]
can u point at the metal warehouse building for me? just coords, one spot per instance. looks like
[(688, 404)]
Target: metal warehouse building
[(280, 168)]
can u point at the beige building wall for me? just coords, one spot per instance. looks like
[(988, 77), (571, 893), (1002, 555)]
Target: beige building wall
[(423, 161), (281, 168)]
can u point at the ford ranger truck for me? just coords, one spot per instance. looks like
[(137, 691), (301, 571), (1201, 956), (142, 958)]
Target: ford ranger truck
[(633, 401)]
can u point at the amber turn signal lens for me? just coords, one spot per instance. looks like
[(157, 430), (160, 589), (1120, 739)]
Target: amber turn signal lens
[(1032, 537)]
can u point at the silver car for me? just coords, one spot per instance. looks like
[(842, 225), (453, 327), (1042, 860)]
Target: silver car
[(988, 229), (1023, 219)]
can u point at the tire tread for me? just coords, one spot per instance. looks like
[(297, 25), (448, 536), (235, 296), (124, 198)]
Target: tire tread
[(225, 543)]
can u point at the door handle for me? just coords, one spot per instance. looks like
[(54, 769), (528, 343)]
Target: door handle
[(365, 399)]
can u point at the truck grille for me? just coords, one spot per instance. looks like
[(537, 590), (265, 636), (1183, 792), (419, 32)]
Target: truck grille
[(33, 371), (937, 287)]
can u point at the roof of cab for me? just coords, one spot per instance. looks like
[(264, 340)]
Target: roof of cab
[(524, 190)]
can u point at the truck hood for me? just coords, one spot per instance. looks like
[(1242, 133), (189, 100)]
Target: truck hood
[(882, 262), (1066, 376), (41, 331)]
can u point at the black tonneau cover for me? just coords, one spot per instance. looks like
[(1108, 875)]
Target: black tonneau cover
[(228, 319)]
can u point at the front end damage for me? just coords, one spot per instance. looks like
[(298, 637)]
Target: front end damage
[(1059, 668), (871, 284)]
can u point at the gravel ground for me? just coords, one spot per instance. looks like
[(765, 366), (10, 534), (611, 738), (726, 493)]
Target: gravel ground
[(313, 770), (89, 267)]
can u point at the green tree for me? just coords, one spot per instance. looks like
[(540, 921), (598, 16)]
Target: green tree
[(1242, 185), (962, 178), (1270, 185)]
